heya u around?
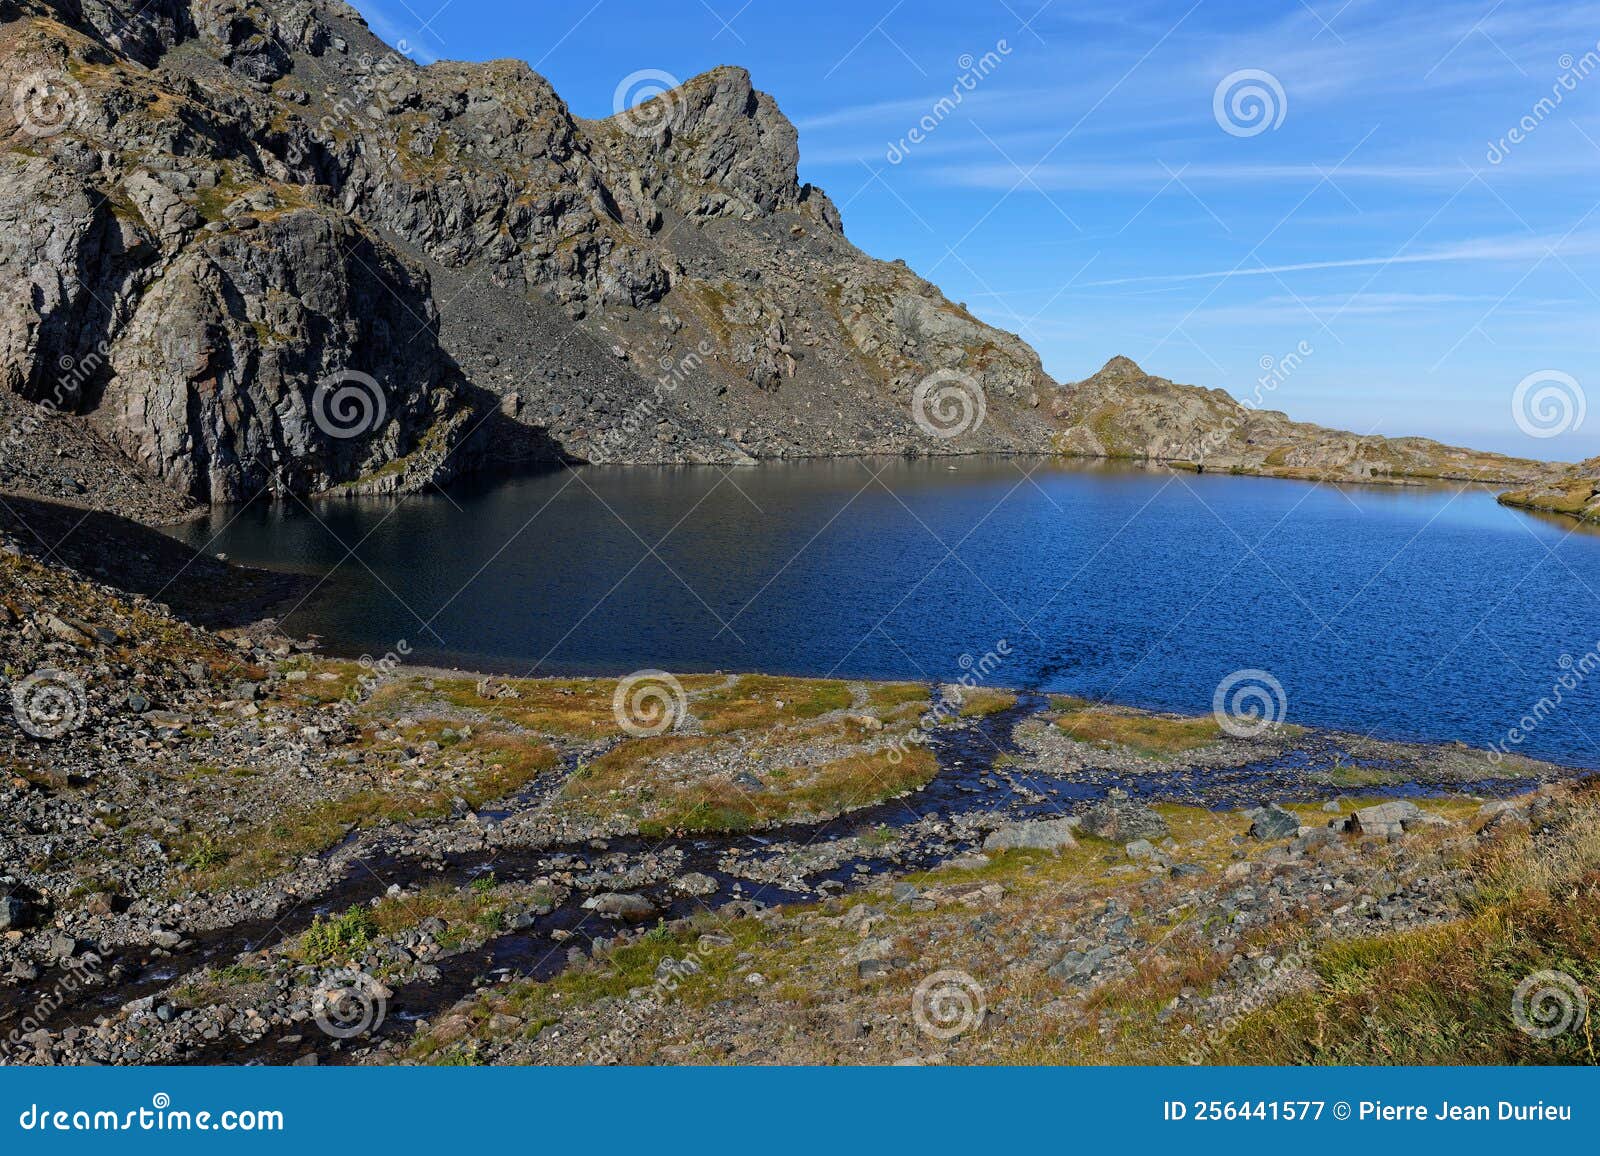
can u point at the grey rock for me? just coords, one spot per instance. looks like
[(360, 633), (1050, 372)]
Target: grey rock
[(14, 912), (621, 905), (1119, 818), (1036, 835), (1385, 820), (1077, 966), (695, 883), (1274, 822)]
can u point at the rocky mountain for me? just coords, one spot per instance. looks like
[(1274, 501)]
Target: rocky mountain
[(250, 248)]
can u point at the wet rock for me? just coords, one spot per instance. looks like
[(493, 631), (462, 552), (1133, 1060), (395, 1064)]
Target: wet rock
[(695, 883), (620, 905)]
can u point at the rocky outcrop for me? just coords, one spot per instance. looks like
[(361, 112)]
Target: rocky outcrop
[(1574, 492), (1123, 412)]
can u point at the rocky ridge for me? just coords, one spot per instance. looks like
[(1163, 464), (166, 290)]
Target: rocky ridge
[(254, 249)]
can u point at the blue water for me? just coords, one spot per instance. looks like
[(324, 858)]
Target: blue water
[(1408, 613)]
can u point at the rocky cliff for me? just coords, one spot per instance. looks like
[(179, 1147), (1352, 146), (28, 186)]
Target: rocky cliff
[(249, 248)]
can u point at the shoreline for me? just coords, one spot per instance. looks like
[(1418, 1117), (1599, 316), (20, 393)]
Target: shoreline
[(608, 843)]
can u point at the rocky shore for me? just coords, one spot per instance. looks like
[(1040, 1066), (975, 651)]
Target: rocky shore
[(220, 847)]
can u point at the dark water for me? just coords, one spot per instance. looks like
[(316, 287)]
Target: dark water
[(1411, 613)]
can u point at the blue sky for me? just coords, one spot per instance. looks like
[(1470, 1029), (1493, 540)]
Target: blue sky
[(1096, 189)]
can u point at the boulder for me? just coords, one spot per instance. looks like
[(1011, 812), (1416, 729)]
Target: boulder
[(1119, 818), (695, 883), (1386, 820), (620, 905), (1273, 822), (1037, 835), (13, 913)]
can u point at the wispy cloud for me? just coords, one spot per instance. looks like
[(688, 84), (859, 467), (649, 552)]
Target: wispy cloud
[(1480, 249), (392, 29)]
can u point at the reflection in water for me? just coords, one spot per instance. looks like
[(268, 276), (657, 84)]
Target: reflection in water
[(1413, 612)]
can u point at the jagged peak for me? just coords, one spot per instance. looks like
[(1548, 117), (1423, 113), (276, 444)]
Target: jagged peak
[(1120, 366)]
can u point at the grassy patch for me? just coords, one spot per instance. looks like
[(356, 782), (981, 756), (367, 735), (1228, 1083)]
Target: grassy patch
[(886, 696), (529, 1006), (477, 907), (257, 854), (641, 779), (1444, 994), (760, 700), (979, 702), (1147, 734), (338, 939)]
